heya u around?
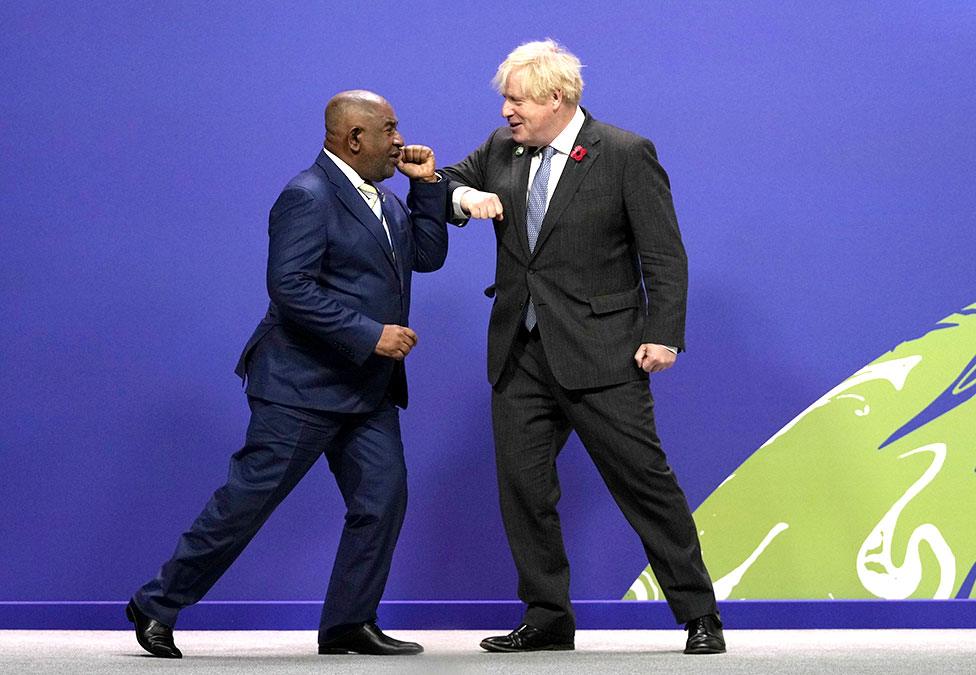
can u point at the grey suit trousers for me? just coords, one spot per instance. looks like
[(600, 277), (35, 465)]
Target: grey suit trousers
[(532, 418)]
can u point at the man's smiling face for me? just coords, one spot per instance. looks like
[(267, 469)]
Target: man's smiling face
[(532, 122)]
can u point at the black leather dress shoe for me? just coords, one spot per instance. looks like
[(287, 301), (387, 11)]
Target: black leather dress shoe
[(527, 638), (705, 636), (156, 638), (368, 639)]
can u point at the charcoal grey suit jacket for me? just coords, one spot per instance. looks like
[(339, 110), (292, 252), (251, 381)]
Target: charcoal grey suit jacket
[(609, 270)]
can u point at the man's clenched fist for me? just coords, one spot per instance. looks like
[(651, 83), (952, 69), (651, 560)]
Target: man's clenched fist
[(417, 163), (652, 358), (478, 204), (396, 342)]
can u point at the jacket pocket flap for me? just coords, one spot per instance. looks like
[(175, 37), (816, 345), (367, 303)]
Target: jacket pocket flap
[(614, 302), (256, 337)]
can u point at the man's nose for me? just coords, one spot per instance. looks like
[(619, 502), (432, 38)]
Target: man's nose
[(507, 110), (398, 139)]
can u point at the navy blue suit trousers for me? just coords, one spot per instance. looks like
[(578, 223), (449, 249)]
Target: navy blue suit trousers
[(365, 454)]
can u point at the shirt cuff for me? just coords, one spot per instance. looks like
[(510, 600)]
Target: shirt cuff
[(456, 201)]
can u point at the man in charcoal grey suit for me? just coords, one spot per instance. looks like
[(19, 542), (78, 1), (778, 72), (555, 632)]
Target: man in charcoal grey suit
[(589, 297)]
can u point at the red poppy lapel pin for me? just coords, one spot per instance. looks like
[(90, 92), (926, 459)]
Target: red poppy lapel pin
[(578, 153)]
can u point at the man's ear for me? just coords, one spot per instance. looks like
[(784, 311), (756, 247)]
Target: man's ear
[(556, 99), (354, 139)]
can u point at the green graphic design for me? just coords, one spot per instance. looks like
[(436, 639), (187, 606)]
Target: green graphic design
[(868, 493)]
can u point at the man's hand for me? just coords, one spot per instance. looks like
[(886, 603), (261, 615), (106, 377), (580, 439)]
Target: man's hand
[(396, 342), (417, 163), (478, 204), (653, 358)]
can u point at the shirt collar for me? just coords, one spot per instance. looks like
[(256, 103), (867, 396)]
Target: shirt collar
[(567, 137), (349, 172)]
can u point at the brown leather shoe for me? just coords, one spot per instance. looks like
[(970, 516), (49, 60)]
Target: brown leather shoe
[(527, 638), (705, 636), (368, 639), (153, 636)]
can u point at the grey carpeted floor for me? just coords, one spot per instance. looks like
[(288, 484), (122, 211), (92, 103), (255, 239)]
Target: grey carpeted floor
[(892, 651)]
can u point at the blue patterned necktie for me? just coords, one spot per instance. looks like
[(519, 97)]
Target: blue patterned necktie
[(535, 212)]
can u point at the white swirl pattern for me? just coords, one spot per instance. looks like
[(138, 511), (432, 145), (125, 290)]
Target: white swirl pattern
[(897, 582)]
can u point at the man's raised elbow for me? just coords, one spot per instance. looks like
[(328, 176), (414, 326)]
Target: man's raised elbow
[(431, 262)]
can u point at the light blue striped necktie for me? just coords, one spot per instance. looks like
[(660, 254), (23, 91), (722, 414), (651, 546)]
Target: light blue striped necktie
[(535, 212)]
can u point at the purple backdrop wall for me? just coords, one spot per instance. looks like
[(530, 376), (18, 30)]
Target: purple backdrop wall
[(822, 165)]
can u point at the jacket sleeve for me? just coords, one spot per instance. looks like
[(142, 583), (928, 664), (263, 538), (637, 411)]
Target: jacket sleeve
[(298, 239), (664, 265), (469, 172), (427, 205)]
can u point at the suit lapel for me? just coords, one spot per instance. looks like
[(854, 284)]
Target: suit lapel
[(569, 181), (354, 202), (394, 220), (519, 180)]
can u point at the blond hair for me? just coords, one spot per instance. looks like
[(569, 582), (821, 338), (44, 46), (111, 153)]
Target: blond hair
[(546, 66)]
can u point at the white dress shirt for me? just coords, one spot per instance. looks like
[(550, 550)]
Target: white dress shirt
[(563, 144)]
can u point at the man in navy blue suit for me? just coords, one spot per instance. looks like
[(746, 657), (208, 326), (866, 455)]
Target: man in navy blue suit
[(325, 375)]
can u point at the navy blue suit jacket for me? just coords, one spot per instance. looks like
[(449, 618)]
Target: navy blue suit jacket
[(334, 283)]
